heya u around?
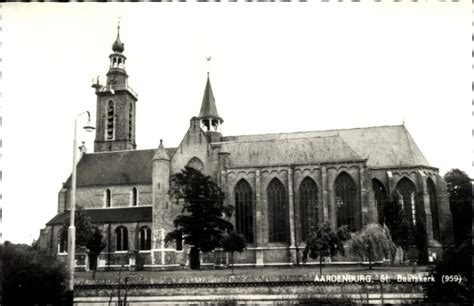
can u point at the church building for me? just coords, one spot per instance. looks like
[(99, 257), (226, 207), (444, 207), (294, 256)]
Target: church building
[(282, 186)]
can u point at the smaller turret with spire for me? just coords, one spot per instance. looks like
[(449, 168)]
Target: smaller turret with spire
[(208, 116), (160, 153)]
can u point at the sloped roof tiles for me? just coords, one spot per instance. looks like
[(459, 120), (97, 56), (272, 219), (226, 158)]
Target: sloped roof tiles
[(382, 147), (289, 151), (111, 215), (208, 106), (116, 168)]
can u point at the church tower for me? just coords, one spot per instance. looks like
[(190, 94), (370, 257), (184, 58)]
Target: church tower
[(208, 116), (115, 105)]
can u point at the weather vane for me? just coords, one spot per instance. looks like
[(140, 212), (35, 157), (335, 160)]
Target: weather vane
[(208, 59)]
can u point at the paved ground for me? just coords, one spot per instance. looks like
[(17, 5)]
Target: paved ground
[(257, 271)]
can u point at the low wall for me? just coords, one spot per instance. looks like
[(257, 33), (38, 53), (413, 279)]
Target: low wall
[(249, 289)]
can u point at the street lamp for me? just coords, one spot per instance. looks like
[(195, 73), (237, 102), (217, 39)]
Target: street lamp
[(71, 241)]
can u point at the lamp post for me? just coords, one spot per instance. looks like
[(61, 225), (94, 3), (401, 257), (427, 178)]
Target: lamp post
[(71, 241)]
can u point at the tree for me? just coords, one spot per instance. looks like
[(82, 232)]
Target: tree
[(325, 242), (421, 242), (83, 226), (31, 276), (401, 230), (87, 236), (460, 201), (456, 263), (95, 244), (202, 222), (232, 242), (371, 242)]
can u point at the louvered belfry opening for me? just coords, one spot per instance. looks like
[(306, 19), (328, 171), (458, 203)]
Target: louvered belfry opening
[(130, 122), (110, 120)]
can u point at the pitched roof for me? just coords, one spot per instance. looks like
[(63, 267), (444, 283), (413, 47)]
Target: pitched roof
[(115, 168), (208, 106), (111, 215), (383, 146), (289, 151)]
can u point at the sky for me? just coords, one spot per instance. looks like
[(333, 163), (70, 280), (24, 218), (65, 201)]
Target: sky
[(276, 67)]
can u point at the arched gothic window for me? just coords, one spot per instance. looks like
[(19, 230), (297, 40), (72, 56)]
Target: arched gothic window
[(308, 207), (380, 196), (144, 238), (130, 122), (121, 238), (110, 121), (134, 196), (108, 198), (244, 210), (346, 201), (62, 244), (434, 208), (195, 163), (405, 192), (277, 212)]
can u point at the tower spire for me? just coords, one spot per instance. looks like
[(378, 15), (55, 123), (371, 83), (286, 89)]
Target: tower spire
[(116, 105), (208, 112), (208, 116), (118, 46)]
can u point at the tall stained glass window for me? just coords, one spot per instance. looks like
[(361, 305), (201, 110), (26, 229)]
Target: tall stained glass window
[(308, 195), (277, 212), (346, 201), (244, 208)]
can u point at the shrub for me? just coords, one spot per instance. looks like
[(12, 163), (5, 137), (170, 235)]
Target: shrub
[(31, 276), (456, 261)]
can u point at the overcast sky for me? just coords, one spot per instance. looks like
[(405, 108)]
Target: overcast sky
[(279, 67)]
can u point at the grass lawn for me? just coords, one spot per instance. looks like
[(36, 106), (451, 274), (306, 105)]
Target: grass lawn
[(270, 271)]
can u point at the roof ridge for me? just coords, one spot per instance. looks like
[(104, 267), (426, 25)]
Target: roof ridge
[(315, 131), (121, 151), (278, 139), (118, 151)]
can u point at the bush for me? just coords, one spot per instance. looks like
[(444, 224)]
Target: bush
[(139, 261), (31, 276), (372, 242), (325, 242), (455, 262)]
